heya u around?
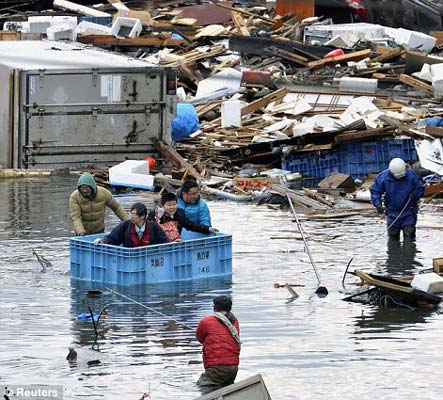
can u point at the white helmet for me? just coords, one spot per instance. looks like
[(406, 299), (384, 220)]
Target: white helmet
[(397, 167)]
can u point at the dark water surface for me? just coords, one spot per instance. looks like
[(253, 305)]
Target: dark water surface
[(311, 348)]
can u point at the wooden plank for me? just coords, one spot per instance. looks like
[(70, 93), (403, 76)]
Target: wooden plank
[(434, 131), (415, 83), (264, 101), (244, 12), (388, 54), (364, 135), (176, 159), (438, 35), (257, 104), (9, 35), (317, 197), (239, 24), (355, 56), (286, 55), (104, 40)]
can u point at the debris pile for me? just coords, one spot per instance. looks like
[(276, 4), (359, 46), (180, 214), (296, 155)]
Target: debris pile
[(276, 90)]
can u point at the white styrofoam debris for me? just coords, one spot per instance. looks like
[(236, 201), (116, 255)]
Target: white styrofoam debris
[(131, 173), (86, 28), (231, 113), (413, 40), (126, 27), (430, 283), (227, 78), (61, 32), (430, 154)]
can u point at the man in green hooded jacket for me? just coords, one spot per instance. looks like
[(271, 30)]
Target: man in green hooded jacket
[(87, 206)]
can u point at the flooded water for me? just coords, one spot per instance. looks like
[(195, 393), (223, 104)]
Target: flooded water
[(307, 349)]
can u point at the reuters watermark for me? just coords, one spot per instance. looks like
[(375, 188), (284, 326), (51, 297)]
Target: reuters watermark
[(32, 392)]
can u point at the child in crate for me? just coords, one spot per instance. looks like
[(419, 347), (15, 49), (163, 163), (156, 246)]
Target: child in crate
[(172, 219)]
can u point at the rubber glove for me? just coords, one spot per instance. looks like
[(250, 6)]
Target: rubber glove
[(380, 210), (98, 241)]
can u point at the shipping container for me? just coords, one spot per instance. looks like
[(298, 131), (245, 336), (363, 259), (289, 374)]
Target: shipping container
[(67, 105)]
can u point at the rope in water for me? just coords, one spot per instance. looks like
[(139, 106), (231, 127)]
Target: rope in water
[(149, 308)]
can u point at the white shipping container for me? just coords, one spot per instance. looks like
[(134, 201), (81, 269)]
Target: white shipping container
[(66, 105)]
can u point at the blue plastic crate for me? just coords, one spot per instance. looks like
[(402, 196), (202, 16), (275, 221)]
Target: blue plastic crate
[(96, 20), (203, 256), (315, 165), (361, 159), (357, 159)]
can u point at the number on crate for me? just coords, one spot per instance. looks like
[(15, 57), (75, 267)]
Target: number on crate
[(202, 255), (158, 262), (204, 270)]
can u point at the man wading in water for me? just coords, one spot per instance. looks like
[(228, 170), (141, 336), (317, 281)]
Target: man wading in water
[(219, 334)]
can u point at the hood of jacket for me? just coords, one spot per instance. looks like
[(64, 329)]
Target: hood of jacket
[(87, 179)]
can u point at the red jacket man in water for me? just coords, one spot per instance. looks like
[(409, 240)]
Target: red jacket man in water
[(219, 334)]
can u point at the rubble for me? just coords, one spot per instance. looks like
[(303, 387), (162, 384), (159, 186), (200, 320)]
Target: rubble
[(267, 87)]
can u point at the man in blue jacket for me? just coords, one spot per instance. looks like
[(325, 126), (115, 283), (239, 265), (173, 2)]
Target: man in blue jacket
[(195, 208), (136, 232), (401, 188)]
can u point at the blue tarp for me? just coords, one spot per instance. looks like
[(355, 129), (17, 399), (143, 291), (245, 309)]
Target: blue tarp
[(185, 122)]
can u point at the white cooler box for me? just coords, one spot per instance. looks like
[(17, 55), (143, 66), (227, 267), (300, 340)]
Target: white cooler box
[(430, 283)]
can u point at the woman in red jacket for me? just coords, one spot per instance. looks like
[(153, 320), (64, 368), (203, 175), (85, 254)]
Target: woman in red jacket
[(219, 334)]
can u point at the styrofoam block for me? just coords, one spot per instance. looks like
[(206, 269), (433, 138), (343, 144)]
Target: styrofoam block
[(126, 27), (231, 113), (64, 20), (133, 166), (89, 28), (360, 85), (414, 40), (131, 173), (61, 32), (430, 283), (436, 71)]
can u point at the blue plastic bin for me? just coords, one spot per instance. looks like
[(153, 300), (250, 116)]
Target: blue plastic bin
[(357, 159), (203, 256)]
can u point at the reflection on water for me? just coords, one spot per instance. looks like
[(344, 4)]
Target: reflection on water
[(401, 257), (376, 320), (301, 349), (159, 311)]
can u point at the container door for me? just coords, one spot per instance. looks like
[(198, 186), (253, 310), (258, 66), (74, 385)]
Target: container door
[(94, 117)]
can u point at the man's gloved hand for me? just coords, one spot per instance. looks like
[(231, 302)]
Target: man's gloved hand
[(98, 241), (411, 197), (380, 210), (213, 230), (81, 234)]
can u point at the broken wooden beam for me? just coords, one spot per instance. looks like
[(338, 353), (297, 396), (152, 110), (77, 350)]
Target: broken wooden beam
[(355, 56), (286, 55), (106, 41), (365, 135), (264, 101), (415, 83), (239, 24), (176, 159)]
